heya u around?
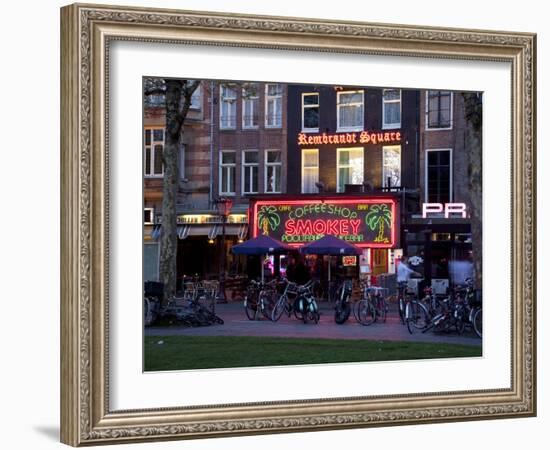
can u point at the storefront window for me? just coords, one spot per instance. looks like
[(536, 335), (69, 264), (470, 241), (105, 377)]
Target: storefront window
[(391, 166), (350, 167), (350, 111), (228, 107), (391, 100), (273, 166), (439, 109), (310, 171), (310, 112)]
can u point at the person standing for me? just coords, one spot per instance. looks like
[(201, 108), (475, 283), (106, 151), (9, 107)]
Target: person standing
[(404, 274)]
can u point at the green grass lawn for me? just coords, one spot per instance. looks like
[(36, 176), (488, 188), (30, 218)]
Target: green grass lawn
[(207, 352)]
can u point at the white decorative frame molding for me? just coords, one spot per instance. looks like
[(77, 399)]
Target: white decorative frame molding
[(87, 31)]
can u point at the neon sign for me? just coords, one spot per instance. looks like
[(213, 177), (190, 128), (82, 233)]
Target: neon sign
[(446, 208), (365, 222), (363, 137)]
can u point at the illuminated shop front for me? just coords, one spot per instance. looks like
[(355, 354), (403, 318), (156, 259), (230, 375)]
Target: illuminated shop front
[(369, 222)]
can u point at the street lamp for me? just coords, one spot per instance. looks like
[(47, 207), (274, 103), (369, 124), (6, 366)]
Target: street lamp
[(223, 205)]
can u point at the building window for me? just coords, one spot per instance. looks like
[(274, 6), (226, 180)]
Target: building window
[(391, 108), (251, 104), (310, 112), (438, 176), (250, 172), (154, 146), (350, 110), (273, 168), (196, 99), (228, 107), (310, 171), (273, 105), (391, 166), (439, 108), (350, 167), (227, 172), (148, 216)]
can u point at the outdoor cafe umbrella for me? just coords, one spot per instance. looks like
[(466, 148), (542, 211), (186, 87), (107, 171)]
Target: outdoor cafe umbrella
[(331, 246), (261, 245)]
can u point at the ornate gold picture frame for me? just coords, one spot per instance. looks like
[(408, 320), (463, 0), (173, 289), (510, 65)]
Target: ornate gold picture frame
[(87, 31)]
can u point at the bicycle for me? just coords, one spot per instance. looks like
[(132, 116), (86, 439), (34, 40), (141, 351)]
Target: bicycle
[(342, 307), (372, 306), (415, 314), (258, 299), (284, 303), (305, 306)]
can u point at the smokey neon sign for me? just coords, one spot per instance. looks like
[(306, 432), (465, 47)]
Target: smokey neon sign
[(364, 222)]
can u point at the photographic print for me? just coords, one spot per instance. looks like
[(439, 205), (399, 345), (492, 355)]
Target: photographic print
[(290, 224), (284, 202)]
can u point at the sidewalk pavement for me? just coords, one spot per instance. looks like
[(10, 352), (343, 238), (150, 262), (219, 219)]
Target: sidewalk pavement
[(237, 324)]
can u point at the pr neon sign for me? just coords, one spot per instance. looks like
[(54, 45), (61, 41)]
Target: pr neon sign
[(447, 209)]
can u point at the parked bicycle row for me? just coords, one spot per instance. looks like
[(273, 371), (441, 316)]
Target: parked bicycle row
[(458, 310), (273, 299), (455, 311)]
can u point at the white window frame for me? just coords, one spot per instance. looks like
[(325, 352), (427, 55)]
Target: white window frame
[(151, 146), (226, 166), (272, 164), (384, 176), (269, 98), (362, 103), (338, 166), (304, 107), (244, 165), (255, 109), (391, 126), (450, 150), (152, 212), (308, 150), (226, 99), (427, 102)]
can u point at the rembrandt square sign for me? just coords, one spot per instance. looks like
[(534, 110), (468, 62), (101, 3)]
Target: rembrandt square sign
[(362, 221)]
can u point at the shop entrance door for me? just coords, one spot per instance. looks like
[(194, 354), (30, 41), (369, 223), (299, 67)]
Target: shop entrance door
[(379, 260)]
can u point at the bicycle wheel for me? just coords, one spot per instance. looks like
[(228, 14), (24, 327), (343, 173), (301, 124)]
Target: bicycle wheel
[(342, 312), (364, 312), (297, 308), (416, 316), (250, 307), (401, 308), (382, 309), (313, 316), (267, 304), (478, 322), (279, 308)]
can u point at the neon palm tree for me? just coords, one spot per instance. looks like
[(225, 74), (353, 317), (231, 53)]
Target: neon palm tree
[(268, 219), (379, 216)]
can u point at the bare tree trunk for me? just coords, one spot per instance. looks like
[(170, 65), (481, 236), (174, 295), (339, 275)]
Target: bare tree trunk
[(473, 147), (178, 99), (169, 240)]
